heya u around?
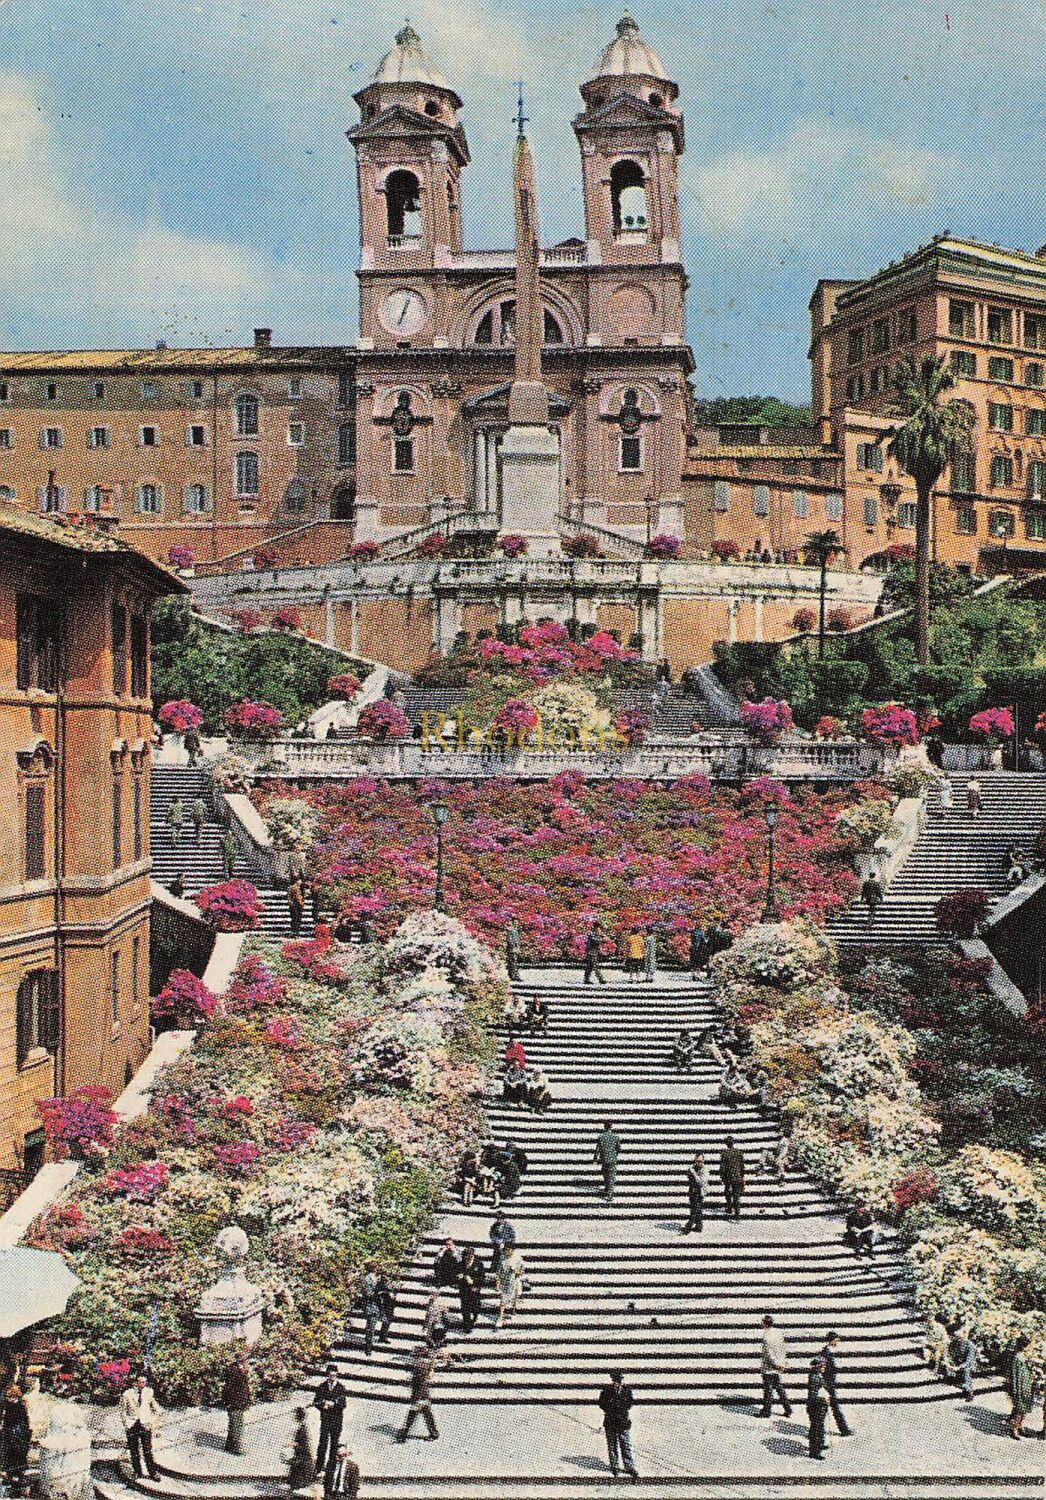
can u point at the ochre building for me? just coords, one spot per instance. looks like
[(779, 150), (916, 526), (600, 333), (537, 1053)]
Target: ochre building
[(75, 736)]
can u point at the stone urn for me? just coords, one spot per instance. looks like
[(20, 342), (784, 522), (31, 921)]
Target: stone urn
[(232, 1308), (65, 1454)]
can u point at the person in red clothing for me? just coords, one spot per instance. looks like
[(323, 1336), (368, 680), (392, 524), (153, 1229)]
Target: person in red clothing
[(515, 1056)]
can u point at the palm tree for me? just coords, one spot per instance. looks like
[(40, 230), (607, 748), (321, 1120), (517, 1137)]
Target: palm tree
[(822, 547), (932, 433)]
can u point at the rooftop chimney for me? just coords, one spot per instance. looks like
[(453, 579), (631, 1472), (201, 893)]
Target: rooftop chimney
[(263, 338), (1040, 254)]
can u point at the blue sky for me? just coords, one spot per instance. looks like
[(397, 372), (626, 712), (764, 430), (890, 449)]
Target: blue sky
[(180, 170)]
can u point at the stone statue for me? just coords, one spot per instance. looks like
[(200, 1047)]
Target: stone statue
[(232, 1309), (65, 1454)]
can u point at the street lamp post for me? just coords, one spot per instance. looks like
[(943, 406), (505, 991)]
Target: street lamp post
[(771, 814), (441, 812)]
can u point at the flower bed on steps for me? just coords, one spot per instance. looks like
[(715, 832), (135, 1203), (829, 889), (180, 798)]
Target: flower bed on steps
[(972, 1220), (322, 1109)]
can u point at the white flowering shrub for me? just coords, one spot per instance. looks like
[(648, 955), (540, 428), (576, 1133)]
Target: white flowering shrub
[(292, 822), (996, 1190)]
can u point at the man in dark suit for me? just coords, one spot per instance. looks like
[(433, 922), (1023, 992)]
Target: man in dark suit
[(608, 1149), (342, 1478), (831, 1375), (615, 1402), (816, 1406), (330, 1401), (732, 1176)]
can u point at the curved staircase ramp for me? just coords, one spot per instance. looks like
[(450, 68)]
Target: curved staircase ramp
[(953, 851), (201, 864)]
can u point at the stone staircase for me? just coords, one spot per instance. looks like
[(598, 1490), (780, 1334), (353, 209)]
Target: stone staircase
[(954, 851), (201, 864)]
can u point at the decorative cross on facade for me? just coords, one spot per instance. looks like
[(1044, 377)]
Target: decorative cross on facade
[(520, 118)]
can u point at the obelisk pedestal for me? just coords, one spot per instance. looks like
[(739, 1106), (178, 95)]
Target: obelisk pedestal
[(530, 471)]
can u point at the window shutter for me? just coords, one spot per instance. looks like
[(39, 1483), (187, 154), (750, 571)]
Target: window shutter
[(50, 1011), (25, 1019)]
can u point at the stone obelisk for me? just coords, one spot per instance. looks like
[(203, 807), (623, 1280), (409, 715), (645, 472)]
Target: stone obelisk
[(530, 449)]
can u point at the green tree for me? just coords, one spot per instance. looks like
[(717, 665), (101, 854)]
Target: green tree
[(822, 546), (931, 434)]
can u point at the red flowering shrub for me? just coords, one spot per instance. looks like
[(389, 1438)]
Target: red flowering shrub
[(180, 715), (240, 1158), (364, 551), (81, 1122), (246, 619), (829, 728), (344, 685), (115, 1372), (582, 545), (254, 987), (231, 906), (961, 913), (433, 545), (966, 976), (513, 545), (383, 721), (1035, 1017), (139, 1184), (993, 723), (183, 997), (285, 1032), (517, 718), (919, 1186), (767, 720), (900, 552), (633, 726), (317, 956), (663, 546), (839, 619), (726, 549), (287, 618), (253, 720), (181, 557), (804, 619), (891, 724), (139, 1243), (265, 557)]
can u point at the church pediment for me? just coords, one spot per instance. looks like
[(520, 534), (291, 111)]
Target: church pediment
[(401, 123), (625, 111), (495, 403)]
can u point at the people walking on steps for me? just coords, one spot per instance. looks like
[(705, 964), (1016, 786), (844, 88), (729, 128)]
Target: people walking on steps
[(683, 1051), (861, 1233), (236, 1398), (198, 814), (1019, 1386), (468, 1178), (935, 1345), (772, 1366), (437, 1319), (513, 946), (830, 1356), (537, 1014), (593, 965), (947, 793), (816, 1406), (296, 906), (176, 820), (193, 746), (608, 1149), (696, 1190), (502, 1235), (447, 1266), (650, 955), (228, 854), (615, 1402), (425, 1362), (872, 894), (732, 1176), (698, 950), (176, 885), (301, 1455), (635, 950), (341, 1481), (471, 1278), (140, 1414), (974, 804), (511, 1282), (329, 1401), (962, 1358), (777, 1159)]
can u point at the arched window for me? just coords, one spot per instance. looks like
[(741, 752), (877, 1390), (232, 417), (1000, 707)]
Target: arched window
[(630, 439), (552, 334), (628, 199), (247, 475), (246, 416), (403, 202), (498, 326), (343, 503), (485, 328)]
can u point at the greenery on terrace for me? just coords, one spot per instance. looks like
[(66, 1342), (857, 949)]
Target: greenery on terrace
[(215, 669), (985, 650)]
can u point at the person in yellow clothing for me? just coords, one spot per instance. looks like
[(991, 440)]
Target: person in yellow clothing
[(635, 952)]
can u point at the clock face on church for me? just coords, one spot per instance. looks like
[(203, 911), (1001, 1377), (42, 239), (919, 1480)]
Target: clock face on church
[(403, 312)]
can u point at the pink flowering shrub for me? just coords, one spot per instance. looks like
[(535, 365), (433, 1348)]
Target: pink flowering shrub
[(183, 997), (517, 718), (663, 546), (254, 986), (180, 715), (582, 545), (961, 913), (318, 957), (767, 720), (254, 720), (231, 906), (364, 551), (513, 545), (81, 1122), (181, 557), (891, 724), (633, 726), (246, 619), (287, 618), (433, 545), (917, 1186), (383, 721), (829, 728), (139, 1184), (285, 1032), (725, 549), (238, 1158), (344, 685), (116, 1373), (140, 1243), (993, 723)]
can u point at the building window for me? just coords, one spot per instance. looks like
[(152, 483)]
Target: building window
[(855, 388), (1034, 331), (964, 363), (1000, 417), (721, 496), (907, 326), (39, 1014), (98, 437), (960, 319), (246, 414), (628, 201), (98, 390), (833, 506), (148, 390), (964, 473), (118, 633), (52, 391), (1035, 525), (35, 860), (149, 499), (247, 475), (196, 390), (139, 656), (630, 453), (52, 498), (761, 500), (871, 510), (51, 437), (294, 499), (346, 389), (1037, 479), (117, 825), (196, 498), (38, 630), (295, 434), (403, 206), (5, 438), (1033, 375), (93, 497), (403, 455), (855, 346), (148, 437), (196, 436), (294, 388), (880, 335), (1001, 471), (966, 520), (1000, 326), (1000, 368), (7, 492), (1002, 524), (906, 515), (870, 456), (343, 503), (800, 505), (5, 392), (114, 987), (1035, 422)]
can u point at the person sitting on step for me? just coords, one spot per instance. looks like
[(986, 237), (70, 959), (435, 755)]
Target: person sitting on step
[(515, 1012), (537, 1014), (683, 1051), (708, 1046), (734, 1087), (514, 1084), (861, 1233), (539, 1095), (515, 1054), (468, 1178)]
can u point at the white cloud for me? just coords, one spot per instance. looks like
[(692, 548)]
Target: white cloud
[(821, 173), (97, 267)]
